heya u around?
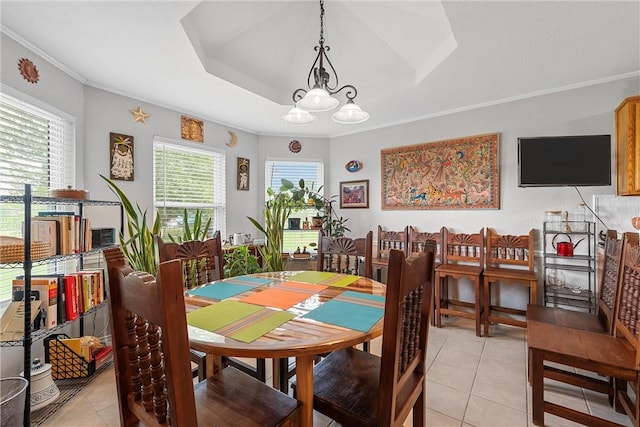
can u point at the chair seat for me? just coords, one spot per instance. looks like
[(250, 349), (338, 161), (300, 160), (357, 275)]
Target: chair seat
[(601, 353), (568, 318), (509, 274), (233, 395), (346, 387), (459, 269)]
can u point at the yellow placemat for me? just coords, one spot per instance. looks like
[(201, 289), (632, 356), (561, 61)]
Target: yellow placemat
[(325, 278)]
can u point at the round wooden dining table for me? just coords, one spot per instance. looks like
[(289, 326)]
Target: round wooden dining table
[(299, 337)]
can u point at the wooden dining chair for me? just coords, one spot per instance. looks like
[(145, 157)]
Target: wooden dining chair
[(417, 240), (202, 262), (615, 356), (603, 320), (345, 255), (356, 388), (340, 255), (509, 260), (388, 240), (151, 360), (462, 257)]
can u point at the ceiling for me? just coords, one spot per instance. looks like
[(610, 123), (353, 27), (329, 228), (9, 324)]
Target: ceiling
[(238, 62)]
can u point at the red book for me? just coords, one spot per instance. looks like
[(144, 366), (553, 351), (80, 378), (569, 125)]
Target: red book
[(71, 297)]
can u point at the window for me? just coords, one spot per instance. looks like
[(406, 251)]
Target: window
[(312, 171), (36, 147), (188, 178)]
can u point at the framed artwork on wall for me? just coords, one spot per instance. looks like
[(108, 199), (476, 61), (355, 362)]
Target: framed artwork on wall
[(243, 174), (459, 173), (121, 156), (354, 194)]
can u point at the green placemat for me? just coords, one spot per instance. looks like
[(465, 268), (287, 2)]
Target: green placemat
[(256, 325), (216, 316)]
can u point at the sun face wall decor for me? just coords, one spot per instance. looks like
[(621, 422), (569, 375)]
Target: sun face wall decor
[(192, 129), (28, 70)]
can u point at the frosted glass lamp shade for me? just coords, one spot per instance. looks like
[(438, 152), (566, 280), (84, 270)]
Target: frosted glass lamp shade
[(317, 100), (350, 113), (297, 116)]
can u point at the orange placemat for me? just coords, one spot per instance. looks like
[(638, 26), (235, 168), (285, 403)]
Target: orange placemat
[(284, 295)]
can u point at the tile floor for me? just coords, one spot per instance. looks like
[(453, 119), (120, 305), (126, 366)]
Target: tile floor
[(471, 381)]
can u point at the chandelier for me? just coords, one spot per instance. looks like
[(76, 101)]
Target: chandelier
[(318, 98)]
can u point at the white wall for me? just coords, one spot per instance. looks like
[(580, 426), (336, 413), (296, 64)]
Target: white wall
[(108, 112), (588, 110)]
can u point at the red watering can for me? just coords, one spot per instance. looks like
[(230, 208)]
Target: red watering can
[(564, 248)]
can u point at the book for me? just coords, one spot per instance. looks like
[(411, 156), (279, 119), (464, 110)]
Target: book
[(65, 234), (12, 320), (47, 287), (62, 309), (71, 294), (97, 288), (46, 231)]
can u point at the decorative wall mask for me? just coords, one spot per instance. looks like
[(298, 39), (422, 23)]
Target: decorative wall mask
[(234, 139)]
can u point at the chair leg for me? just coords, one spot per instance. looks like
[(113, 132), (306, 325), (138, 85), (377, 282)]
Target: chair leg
[(487, 306), (200, 359), (537, 386), (478, 306), (437, 299)]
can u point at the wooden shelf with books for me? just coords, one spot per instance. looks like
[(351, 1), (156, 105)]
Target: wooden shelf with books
[(67, 297)]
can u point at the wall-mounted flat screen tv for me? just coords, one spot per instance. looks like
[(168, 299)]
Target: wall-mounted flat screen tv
[(551, 161)]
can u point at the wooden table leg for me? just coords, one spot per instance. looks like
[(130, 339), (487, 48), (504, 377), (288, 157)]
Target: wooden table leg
[(213, 364), (304, 388), (276, 374)]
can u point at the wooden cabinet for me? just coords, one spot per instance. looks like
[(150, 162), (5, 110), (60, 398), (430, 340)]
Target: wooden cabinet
[(628, 147)]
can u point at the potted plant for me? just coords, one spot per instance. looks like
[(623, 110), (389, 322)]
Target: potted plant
[(197, 232), (277, 209), (240, 261), (139, 248)]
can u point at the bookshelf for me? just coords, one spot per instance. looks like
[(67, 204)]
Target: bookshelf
[(27, 200)]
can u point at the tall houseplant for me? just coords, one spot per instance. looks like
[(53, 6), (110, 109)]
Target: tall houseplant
[(139, 246), (277, 209), (195, 232)]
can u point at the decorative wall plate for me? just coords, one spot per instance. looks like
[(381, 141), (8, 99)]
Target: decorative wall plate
[(295, 146), (353, 166), (28, 70)]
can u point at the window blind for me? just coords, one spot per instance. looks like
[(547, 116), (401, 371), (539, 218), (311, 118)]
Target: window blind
[(188, 178), (36, 147)]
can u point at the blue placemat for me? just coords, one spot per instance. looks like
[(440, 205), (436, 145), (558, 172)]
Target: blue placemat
[(353, 316), (220, 290), (248, 280)]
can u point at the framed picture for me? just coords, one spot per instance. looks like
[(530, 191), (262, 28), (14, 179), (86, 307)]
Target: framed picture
[(354, 194), (121, 156), (192, 129), (243, 174)]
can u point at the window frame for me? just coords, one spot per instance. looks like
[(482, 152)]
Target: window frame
[(218, 204)]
